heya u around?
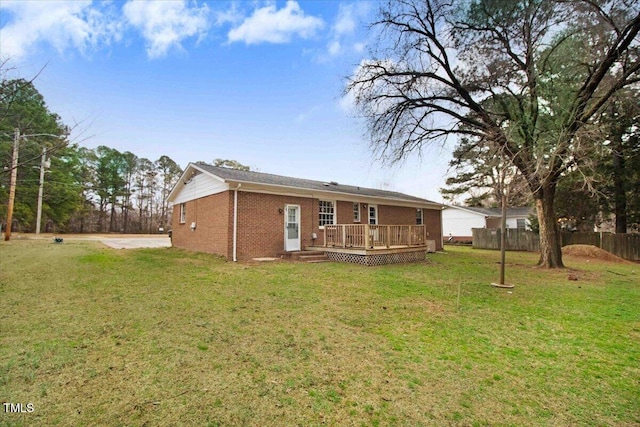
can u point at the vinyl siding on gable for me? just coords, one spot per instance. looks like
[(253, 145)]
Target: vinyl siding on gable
[(201, 185)]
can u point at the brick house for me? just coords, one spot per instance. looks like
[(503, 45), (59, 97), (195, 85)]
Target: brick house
[(243, 215)]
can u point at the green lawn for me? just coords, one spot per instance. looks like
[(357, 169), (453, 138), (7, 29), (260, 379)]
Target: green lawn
[(163, 337)]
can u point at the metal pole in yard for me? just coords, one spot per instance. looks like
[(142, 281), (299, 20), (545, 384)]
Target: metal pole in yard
[(503, 229)]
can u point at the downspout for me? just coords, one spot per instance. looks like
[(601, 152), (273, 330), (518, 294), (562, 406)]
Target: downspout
[(442, 208), (235, 223)]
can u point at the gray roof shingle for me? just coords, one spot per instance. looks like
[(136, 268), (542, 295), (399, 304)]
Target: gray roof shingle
[(307, 184)]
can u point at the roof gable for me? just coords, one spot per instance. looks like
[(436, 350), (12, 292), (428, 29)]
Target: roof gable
[(194, 183)]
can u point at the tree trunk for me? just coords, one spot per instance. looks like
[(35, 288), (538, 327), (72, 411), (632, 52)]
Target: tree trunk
[(112, 217), (550, 243), (102, 216), (620, 197)]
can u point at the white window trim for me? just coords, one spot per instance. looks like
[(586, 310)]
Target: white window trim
[(335, 212), (183, 213), (421, 216), (358, 218)]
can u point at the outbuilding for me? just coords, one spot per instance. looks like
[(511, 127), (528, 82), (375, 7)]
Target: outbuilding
[(458, 221)]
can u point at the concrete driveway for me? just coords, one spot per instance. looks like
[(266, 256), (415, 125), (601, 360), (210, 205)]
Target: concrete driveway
[(117, 241), (137, 242)]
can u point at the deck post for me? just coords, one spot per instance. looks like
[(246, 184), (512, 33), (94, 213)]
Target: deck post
[(344, 236), (325, 236), (366, 236), (388, 235), (424, 234)]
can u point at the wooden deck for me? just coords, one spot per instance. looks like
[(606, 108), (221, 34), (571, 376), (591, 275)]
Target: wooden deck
[(377, 250), (375, 244), (374, 237)]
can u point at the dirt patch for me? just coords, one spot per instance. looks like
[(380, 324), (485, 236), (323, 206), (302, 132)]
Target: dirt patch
[(591, 252)]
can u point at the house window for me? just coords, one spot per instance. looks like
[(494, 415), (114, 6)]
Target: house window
[(418, 216), (373, 215), (521, 223), (183, 213), (356, 212), (326, 213)]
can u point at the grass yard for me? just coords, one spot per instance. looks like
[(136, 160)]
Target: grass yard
[(162, 337)]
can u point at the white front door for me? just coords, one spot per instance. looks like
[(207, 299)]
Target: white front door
[(374, 235), (292, 228)]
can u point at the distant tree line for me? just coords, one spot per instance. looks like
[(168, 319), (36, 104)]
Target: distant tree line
[(84, 190)]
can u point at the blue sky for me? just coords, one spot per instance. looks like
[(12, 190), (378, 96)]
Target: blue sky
[(255, 81)]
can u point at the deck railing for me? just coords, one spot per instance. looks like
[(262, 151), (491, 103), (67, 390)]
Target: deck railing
[(365, 236)]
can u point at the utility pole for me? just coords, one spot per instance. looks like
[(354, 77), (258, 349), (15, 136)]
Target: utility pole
[(14, 178), (44, 164), (12, 184)]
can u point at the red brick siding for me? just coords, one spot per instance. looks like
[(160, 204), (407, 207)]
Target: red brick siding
[(433, 220), (390, 215), (212, 217), (396, 215), (345, 213), (261, 223)]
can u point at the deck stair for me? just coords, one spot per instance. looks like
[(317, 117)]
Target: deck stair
[(306, 256)]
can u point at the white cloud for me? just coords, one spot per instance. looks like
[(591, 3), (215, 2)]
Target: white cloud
[(347, 103), (334, 48), (165, 24), (230, 16), (269, 25), (344, 29), (345, 22), (62, 24)]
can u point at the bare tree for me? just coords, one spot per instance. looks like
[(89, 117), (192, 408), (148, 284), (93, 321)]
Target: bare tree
[(528, 77)]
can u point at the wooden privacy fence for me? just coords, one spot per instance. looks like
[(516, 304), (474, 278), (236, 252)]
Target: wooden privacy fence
[(625, 246), (515, 240)]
